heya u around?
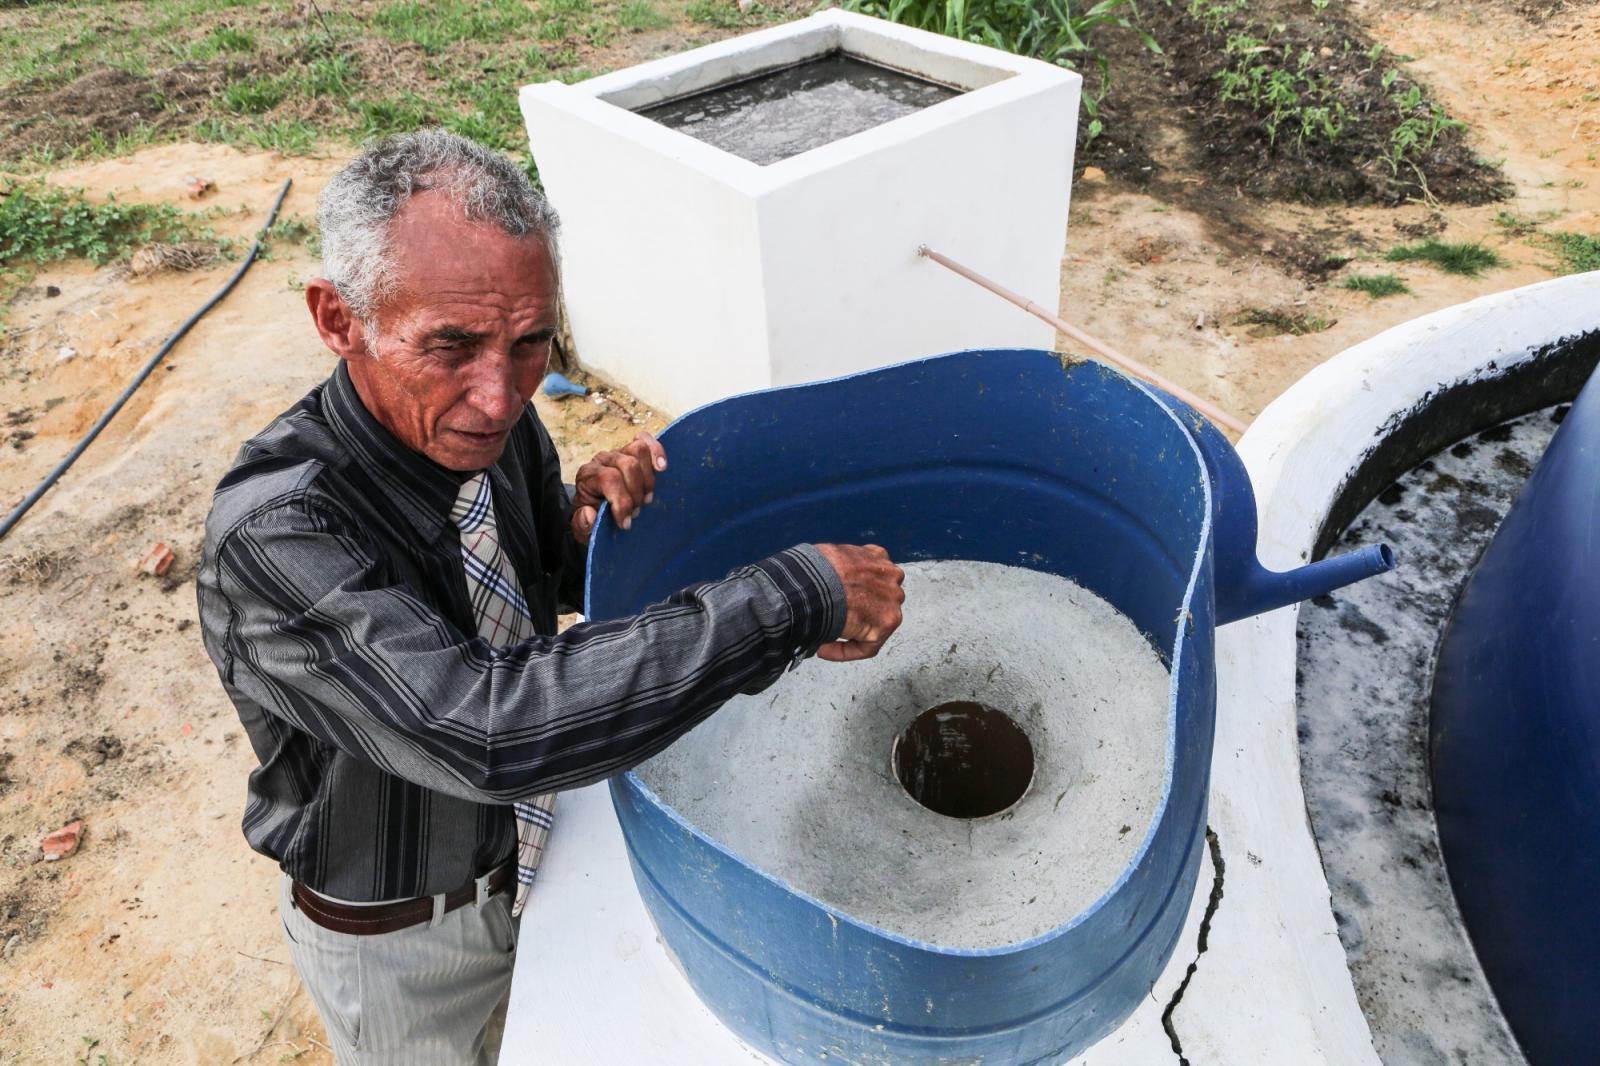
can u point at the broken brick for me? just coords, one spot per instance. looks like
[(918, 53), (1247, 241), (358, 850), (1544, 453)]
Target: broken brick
[(62, 842), (157, 561)]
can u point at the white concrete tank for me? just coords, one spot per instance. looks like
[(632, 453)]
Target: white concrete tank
[(691, 273)]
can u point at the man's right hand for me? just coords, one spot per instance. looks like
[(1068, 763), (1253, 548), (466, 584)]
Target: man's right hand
[(873, 594)]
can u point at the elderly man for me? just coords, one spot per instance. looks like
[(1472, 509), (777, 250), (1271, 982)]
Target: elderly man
[(383, 568)]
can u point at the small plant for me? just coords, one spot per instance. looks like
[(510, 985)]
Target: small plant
[(89, 1045), (292, 229), (1421, 123), (1514, 224), (1466, 258), (1376, 286), (1315, 93)]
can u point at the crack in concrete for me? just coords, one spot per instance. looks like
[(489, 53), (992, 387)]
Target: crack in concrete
[(1214, 845)]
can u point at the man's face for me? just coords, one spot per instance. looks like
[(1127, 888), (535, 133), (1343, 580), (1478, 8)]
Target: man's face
[(465, 340)]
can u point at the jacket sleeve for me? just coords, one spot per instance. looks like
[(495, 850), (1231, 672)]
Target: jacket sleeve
[(319, 634)]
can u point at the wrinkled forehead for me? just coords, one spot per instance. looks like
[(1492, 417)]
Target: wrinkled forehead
[(433, 247)]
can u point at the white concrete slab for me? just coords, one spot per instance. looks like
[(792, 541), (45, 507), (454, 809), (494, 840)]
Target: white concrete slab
[(593, 984)]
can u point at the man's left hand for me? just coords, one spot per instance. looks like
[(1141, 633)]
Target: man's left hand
[(626, 479)]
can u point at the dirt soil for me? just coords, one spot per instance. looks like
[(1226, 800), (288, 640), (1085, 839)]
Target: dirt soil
[(1331, 59), (159, 937)]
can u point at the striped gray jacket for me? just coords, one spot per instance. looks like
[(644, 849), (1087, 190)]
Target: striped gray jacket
[(390, 737)]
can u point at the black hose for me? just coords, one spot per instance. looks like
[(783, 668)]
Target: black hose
[(111, 412)]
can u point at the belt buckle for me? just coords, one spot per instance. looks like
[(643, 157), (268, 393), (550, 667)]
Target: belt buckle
[(480, 887)]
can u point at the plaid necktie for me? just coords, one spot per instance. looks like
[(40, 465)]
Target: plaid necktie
[(503, 618)]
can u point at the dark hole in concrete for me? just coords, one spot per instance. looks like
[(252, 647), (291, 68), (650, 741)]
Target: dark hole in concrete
[(963, 760)]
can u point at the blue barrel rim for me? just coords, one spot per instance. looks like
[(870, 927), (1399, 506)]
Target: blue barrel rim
[(631, 780)]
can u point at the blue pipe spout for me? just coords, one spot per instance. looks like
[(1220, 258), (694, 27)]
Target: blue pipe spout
[(1243, 586)]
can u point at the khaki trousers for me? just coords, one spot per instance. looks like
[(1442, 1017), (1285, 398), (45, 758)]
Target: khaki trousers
[(432, 995)]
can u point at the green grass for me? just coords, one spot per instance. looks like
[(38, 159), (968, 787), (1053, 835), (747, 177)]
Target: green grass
[(1467, 258), (286, 137), (334, 75), (437, 25), (224, 39), (1577, 253), (1376, 286), (296, 76), (641, 15), (253, 96), (393, 114)]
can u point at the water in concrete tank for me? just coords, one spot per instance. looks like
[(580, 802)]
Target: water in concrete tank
[(785, 112), (1001, 681), (1366, 664)]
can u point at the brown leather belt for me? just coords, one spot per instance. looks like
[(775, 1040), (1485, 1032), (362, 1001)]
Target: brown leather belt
[(388, 917)]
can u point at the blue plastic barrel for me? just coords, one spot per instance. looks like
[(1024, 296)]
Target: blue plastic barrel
[(1012, 457), (1515, 746)]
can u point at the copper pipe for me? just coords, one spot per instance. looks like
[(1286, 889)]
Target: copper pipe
[(1094, 344)]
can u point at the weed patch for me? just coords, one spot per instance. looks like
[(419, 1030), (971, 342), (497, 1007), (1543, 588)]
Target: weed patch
[(641, 15), (43, 224), (224, 39), (1576, 253), (1467, 258), (1376, 286), (293, 229), (1270, 322)]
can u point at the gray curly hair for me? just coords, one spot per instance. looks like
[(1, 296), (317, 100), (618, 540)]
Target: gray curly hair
[(357, 206)]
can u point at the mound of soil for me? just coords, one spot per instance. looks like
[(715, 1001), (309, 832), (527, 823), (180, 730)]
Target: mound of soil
[(1324, 58), (1328, 62)]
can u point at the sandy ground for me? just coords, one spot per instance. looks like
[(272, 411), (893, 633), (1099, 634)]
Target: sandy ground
[(159, 938)]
